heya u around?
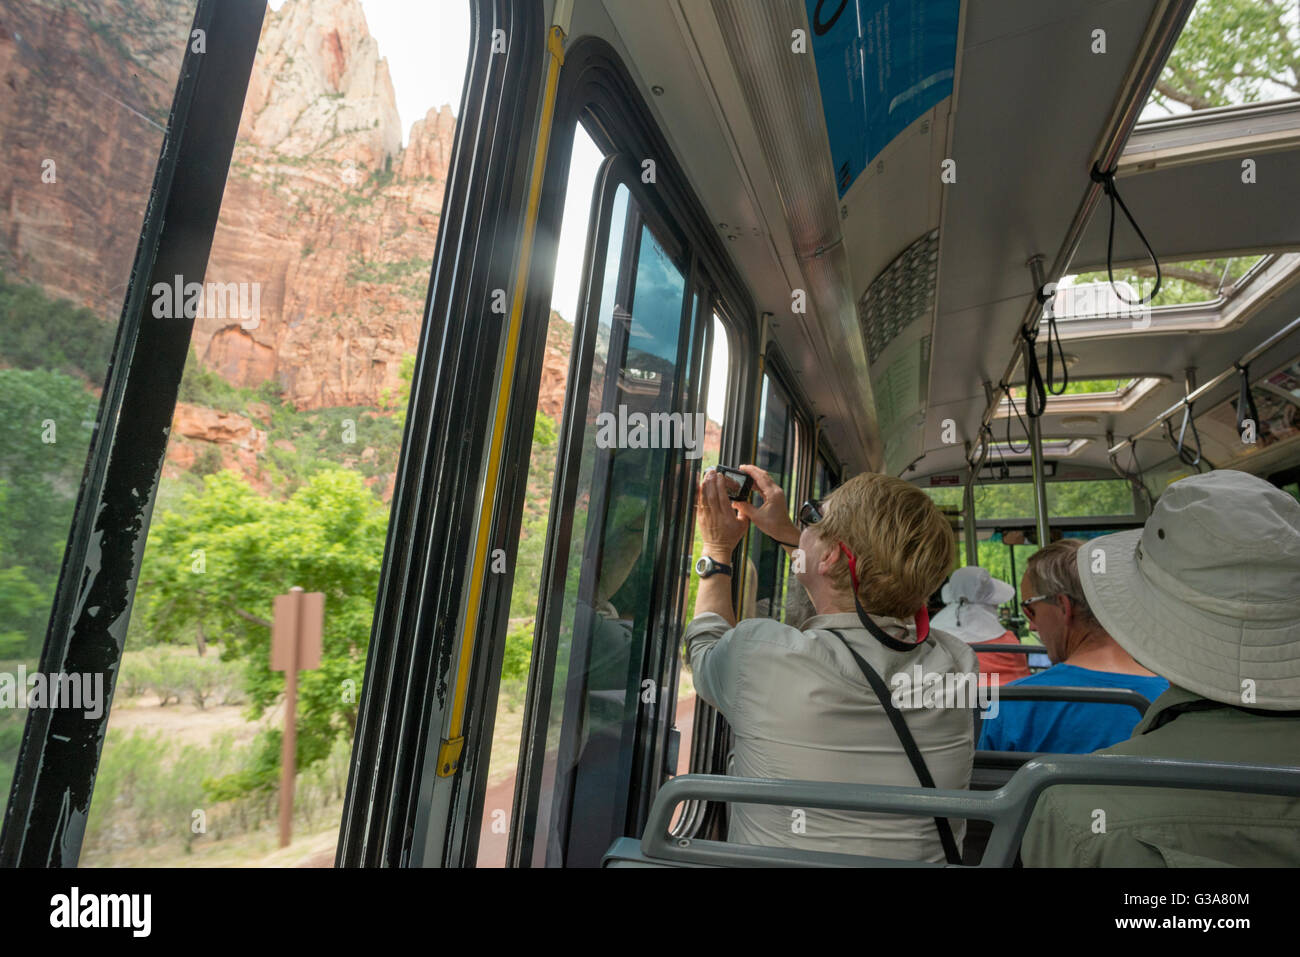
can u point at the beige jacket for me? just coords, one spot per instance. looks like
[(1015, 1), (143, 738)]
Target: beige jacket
[(801, 710)]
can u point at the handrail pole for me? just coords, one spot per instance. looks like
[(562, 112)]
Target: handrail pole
[(1040, 476)]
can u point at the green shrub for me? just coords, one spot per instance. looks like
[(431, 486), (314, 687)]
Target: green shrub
[(176, 676), (40, 332), (518, 653), (208, 461), (148, 790)]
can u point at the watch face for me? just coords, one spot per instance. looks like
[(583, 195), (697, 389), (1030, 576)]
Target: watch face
[(704, 565)]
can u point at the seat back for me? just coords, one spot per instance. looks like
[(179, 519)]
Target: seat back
[(1009, 808), (1066, 693)]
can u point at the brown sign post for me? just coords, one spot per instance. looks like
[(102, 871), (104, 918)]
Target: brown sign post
[(295, 644)]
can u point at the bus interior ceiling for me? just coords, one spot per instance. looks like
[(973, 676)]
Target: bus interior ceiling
[(740, 112)]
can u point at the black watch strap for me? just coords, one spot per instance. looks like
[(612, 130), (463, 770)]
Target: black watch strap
[(714, 568)]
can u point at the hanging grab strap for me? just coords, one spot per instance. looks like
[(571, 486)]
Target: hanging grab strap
[(1035, 393), (1107, 181), (1184, 453), (1246, 400)]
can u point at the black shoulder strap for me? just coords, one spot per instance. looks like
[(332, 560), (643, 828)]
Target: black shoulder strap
[(909, 745)]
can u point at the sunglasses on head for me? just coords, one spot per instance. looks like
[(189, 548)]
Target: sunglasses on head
[(810, 513)]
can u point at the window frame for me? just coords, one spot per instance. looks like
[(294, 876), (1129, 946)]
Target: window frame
[(399, 810), (597, 90)]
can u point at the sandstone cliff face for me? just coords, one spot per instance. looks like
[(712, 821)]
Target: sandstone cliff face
[(85, 91), (319, 87), (237, 440), (327, 213), (323, 210)]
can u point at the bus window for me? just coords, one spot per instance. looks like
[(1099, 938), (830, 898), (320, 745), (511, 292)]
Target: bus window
[(825, 479), (79, 167), (615, 564), (778, 447), (283, 453), (584, 162), (718, 362)]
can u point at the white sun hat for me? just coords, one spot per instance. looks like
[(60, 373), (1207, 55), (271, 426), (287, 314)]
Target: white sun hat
[(971, 598), (1207, 593)]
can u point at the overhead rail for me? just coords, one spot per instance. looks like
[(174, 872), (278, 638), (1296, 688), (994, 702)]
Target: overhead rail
[(1163, 31), (1240, 367)]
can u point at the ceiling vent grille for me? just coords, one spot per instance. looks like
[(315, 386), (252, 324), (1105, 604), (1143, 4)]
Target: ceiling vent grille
[(901, 294)]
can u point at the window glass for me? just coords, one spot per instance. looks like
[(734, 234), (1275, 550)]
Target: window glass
[(88, 88), (584, 163), (825, 480), (1263, 37), (776, 456), (614, 549), (1086, 499), (283, 452), (1184, 282), (718, 364)]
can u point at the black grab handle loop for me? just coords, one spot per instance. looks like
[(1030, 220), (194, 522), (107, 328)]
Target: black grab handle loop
[(1107, 181), (1246, 400)]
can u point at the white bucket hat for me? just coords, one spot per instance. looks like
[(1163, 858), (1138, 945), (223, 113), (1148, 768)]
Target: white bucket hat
[(1207, 593), (971, 598)]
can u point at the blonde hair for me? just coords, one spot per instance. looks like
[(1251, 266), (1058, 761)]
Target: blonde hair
[(903, 544)]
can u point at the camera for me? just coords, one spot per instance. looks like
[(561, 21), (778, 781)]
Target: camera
[(737, 483)]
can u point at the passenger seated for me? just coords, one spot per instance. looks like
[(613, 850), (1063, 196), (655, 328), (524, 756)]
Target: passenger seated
[(797, 699), (971, 599), (1084, 656), (1208, 595)]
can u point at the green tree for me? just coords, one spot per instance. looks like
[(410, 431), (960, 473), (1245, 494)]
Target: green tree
[(221, 558), (41, 332), (45, 426), (1233, 51), (399, 401)]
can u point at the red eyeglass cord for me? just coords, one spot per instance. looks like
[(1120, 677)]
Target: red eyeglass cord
[(922, 619)]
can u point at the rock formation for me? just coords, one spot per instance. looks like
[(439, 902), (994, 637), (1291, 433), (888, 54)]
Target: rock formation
[(328, 213)]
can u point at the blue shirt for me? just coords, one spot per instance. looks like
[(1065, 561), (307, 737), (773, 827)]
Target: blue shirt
[(1067, 727)]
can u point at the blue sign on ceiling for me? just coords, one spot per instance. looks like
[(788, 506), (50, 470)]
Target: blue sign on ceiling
[(880, 65)]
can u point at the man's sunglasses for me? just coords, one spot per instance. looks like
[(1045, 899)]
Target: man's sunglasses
[(1026, 602)]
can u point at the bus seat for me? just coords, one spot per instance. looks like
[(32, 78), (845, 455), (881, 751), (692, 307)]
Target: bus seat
[(995, 647), (1009, 808), (993, 769), (1065, 693)]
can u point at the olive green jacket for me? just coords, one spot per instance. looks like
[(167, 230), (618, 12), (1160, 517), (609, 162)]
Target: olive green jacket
[(1076, 826)]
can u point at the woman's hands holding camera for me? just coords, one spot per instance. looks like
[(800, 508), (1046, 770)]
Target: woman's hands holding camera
[(721, 527), (772, 518)]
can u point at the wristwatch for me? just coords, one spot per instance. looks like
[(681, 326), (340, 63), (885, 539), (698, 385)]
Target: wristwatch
[(706, 567)]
